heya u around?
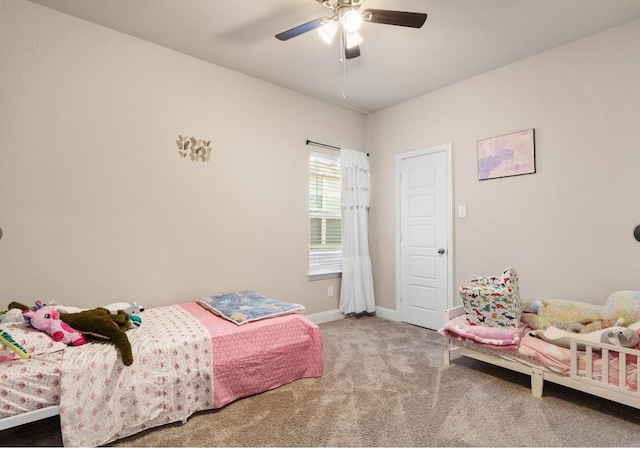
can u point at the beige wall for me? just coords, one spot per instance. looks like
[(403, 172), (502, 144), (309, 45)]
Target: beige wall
[(568, 229), (97, 207)]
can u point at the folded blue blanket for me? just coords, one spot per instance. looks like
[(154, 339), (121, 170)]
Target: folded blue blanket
[(247, 306)]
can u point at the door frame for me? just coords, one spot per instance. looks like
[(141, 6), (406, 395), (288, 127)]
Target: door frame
[(447, 148)]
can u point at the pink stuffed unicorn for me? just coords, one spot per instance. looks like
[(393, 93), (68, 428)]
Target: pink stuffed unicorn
[(47, 320)]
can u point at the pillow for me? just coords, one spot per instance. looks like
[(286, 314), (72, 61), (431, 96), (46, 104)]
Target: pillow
[(485, 307), (32, 340), (493, 301), (247, 306)]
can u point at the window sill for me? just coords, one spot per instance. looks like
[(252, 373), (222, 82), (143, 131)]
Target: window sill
[(322, 276)]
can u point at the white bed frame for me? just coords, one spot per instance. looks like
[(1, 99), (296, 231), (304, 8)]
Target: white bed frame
[(35, 415), (24, 418), (582, 382)]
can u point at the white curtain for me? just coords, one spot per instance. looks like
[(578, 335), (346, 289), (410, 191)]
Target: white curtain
[(356, 291)]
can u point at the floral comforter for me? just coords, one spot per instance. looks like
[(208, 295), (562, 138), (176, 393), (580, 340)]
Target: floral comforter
[(171, 378)]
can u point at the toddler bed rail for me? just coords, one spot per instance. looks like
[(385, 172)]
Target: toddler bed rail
[(621, 388)]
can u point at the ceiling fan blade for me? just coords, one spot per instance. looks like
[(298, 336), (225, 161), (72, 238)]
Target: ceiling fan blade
[(353, 52), (301, 29), (399, 18)]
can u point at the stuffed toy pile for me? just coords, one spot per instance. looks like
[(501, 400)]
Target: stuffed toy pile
[(582, 317), (616, 335), (98, 323)]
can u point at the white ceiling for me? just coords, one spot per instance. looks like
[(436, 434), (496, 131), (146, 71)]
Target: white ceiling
[(460, 39)]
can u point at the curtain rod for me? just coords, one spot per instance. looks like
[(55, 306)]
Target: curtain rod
[(324, 145)]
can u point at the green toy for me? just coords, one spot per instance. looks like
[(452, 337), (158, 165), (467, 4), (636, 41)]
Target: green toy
[(6, 338), (100, 323)]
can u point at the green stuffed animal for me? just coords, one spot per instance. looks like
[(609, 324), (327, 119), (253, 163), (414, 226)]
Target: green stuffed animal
[(99, 323)]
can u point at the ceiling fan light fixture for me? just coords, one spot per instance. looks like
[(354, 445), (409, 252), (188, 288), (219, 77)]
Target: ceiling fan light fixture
[(347, 19), (353, 39), (351, 21), (328, 31)]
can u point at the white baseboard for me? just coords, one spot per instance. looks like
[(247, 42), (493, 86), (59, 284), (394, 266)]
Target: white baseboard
[(389, 314), (324, 317), (332, 315)]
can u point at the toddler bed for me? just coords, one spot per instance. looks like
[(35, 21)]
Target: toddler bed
[(601, 369), (186, 359)]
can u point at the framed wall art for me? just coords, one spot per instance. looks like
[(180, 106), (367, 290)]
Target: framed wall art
[(509, 155)]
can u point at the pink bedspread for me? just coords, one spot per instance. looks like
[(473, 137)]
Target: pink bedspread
[(261, 355), (558, 359), (101, 399)]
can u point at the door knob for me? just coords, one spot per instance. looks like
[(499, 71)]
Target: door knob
[(441, 251)]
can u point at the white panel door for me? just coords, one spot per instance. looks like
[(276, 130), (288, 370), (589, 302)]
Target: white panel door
[(424, 237)]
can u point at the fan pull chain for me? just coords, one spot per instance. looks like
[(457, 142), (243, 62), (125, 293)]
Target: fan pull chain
[(344, 80), (343, 61)]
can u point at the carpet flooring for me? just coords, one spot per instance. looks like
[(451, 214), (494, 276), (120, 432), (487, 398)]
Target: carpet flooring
[(385, 385)]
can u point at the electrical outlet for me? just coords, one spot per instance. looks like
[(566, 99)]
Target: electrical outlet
[(330, 292)]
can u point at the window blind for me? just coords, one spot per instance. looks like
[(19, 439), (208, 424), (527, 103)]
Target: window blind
[(325, 235)]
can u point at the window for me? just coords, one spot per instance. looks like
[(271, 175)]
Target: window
[(325, 237)]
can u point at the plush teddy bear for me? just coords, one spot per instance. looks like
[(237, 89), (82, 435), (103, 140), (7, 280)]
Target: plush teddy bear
[(48, 320), (587, 326)]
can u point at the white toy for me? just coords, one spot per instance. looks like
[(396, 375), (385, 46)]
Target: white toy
[(131, 309), (626, 337), (12, 316), (64, 309)]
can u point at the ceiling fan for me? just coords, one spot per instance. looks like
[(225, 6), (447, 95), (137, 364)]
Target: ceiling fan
[(347, 19)]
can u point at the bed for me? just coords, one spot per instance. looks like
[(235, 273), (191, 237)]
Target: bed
[(186, 359), (516, 350)]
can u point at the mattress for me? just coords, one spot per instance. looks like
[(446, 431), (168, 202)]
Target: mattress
[(27, 385), (227, 362)]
